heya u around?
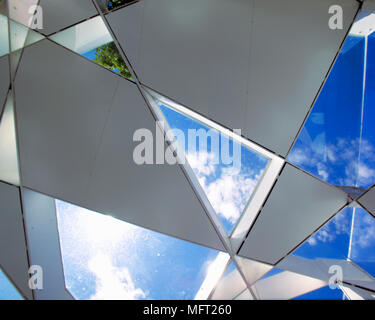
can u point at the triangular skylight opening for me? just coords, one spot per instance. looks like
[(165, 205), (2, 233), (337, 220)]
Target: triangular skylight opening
[(105, 258), (92, 40), (331, 241), (324, 293), (362, 251), (228, 185), (328, 145), (335, 143), (7, 290)]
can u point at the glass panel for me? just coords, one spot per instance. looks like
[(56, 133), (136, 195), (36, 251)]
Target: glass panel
[(21, 36), (7, 289), (4, 42), (92, 40), (9, 171), (105, 258), (362, 250), (325, 293), (228, 185), (331, 241), (328, 145)]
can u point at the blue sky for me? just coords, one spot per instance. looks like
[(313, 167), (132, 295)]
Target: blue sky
[(105, 258)]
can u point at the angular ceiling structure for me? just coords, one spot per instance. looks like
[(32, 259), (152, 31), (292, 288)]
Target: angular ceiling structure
[(86, 85)]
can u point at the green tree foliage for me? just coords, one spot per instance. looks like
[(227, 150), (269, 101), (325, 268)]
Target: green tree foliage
[(108, 56)]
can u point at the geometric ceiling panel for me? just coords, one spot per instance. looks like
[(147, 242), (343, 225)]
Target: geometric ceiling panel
[(13, 256), (288, 63), (157, 197), (58, 14), (76, 143), (115, 203), (368, 201), (127, 24), (230, 79), (59, 130), (298, 202)]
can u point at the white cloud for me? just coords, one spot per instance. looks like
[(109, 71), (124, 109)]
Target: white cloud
[(364, 231), (228, 191), (325, 159), (112, 283)]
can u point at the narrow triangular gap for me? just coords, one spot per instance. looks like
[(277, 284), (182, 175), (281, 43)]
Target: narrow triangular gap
[(228, 182), (362, 251), (331, 241), (272, 272), (110, 5), (106, 258), (9, 167), (92, 40), (324, 293), (353, 192), (7, 290), (328, 144), (4, 35)]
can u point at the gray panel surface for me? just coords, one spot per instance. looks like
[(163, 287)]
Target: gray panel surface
[(196, 52), (126, 23), (59, 14), (60, 118), (154, 196), (255, 65), (296, 207), (4, 80), (292, 49), (44, 245), (13, 257), (368, 201)]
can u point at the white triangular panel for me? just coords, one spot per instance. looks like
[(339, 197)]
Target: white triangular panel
[(9, 168)]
